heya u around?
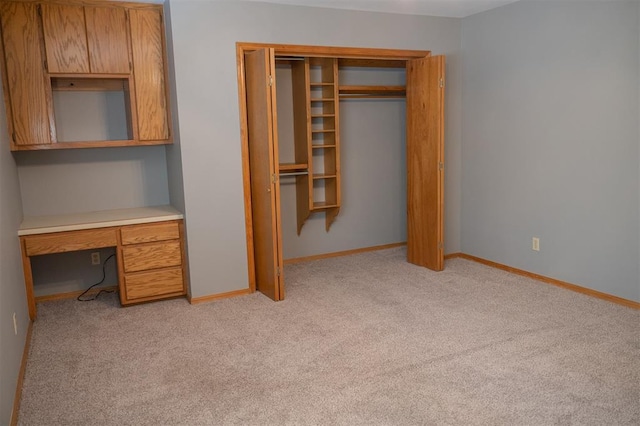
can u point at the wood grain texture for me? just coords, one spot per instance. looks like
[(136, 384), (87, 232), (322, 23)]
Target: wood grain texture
[(246, 169), (337, 52), (425, 153), (25, 83), (61, 242), (154, 284), (136, 234), (107, 40), (263, 160), (28, 279), (573, 287), (65, 38), (302, 136), (147, 43), (151, 256)]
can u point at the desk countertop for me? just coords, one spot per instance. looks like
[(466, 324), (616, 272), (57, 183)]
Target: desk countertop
[(32, 225)]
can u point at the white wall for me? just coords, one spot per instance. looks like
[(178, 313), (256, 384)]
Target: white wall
[(204, 34), (12, 292), (550, 140)]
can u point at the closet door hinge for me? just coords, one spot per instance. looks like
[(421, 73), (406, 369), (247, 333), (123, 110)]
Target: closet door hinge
[(441, 165), (270, 81), (440, 245), (274, 178), (278, 271), (441, 82)]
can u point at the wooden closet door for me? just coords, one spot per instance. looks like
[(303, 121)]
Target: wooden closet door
[(263, 163), (425, 161)]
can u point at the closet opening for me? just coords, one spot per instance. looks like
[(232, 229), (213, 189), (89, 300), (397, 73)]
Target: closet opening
[(290, 98)]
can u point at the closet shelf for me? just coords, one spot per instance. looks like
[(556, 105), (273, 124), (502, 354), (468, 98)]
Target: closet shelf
[(322, 99), (324, 176), (322, 130), (372, 91), (323, 205), (322, 146), (292, 167)]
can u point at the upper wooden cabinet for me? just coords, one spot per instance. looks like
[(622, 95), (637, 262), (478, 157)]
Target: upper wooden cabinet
[(55, 52), (27, 90), (85, 39)]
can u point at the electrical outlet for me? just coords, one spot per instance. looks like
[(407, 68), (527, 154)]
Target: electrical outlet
[(15, 324), (535, 244), (95, 258)]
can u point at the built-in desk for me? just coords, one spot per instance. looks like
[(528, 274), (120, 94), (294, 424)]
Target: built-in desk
[(149, 244)]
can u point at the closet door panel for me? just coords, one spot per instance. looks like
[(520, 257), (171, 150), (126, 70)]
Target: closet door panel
[(425, 161), (263, 162)]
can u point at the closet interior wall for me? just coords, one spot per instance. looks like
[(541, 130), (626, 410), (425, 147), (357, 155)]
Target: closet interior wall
[(373, 167)]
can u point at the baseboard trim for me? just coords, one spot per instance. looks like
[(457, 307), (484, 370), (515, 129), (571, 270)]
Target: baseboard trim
[(23, 367), (573, 287), (212, 297), (342, 253), (73, 294)]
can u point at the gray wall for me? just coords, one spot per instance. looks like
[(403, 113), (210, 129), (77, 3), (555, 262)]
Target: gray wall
[(204, 34), (550, 140), (12, 293)]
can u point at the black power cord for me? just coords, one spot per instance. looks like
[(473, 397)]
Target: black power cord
[(104, 274)]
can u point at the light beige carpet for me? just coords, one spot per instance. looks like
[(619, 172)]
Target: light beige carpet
[(360, 340)]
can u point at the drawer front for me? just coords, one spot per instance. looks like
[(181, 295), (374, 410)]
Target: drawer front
[(62, 242), (151, 256), (154, 284), (149, 233)]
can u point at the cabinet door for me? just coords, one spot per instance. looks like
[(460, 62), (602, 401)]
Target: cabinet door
[(107, 39), (65, 38), (263, 162), (24, 79), (147, 42), (425, 161)]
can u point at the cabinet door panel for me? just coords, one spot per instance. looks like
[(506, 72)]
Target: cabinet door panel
[(65, 38), (149, 78), (107, 39), (425, 161), (26, 85)]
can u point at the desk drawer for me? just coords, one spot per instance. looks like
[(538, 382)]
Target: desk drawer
[(153, 284), (149, 233), (62, 242), (151, 256)]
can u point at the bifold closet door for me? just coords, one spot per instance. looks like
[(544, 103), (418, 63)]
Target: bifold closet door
[(263, 162), (425, 161)]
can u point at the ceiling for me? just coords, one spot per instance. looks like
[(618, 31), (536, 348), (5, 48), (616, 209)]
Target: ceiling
[(449, 8)]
